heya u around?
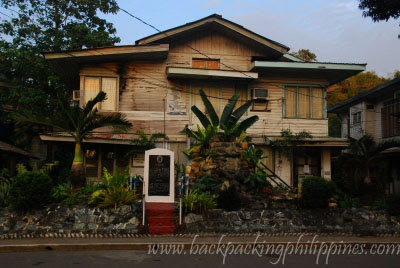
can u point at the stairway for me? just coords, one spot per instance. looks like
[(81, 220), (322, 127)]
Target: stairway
[(160, 217), (272, 176)]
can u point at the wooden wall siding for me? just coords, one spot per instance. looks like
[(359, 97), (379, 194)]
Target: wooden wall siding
[(178, 97), (271, 123), (177, 148), (370, 117), (215, 45), (144, 103), (139, 94)]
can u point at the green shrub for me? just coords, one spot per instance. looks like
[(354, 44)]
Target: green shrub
[(256, 182), (66, 194), (30, 190), (197, 202), (229, 199), (115, 192), (346, 201), (393, 205), (206, 184), (90, 188), (316, 192), (73, 199), (61, 191), (253, 155), (5, 176), (4, 194), (5, 182)]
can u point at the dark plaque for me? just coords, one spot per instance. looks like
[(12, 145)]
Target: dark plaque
[(159, 172)]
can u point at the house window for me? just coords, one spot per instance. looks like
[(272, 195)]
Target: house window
[(93, 85), (205, 64), (390, 118), (304, 102), (357, 118)]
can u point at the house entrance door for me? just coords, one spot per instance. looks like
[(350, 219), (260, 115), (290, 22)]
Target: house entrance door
[(306, 163)]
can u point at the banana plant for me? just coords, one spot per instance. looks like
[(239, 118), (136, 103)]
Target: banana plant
[(229, 121)]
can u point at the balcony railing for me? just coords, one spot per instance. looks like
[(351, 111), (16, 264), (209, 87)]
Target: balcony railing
[(390, 116)]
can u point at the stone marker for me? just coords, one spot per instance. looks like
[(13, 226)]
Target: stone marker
[(159, 176)]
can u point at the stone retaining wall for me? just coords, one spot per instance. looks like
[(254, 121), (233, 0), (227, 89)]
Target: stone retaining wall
[(353, 220), (127, 220), (69, 220)]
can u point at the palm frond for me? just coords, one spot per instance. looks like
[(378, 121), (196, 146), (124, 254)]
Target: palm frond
[(156, 136), (28, 117), (189, 132), (387, 144), (117, 121), (88, 107)]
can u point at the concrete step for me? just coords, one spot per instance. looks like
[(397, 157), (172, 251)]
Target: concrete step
[(160, 217)]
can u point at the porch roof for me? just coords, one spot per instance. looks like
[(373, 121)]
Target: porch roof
[(175, 72), (331, 72), (106, 138), (8, 148), (313, 142), (68, 63)]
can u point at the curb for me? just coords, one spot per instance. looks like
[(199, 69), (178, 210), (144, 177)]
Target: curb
[(185, 246), (13, 236)]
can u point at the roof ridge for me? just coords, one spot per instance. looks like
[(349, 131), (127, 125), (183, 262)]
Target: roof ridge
[(216, 16)]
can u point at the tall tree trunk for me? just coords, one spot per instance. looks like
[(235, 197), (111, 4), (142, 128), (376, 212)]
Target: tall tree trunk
[(77, 175)]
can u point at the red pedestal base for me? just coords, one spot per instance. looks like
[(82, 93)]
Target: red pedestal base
[(160, 217)]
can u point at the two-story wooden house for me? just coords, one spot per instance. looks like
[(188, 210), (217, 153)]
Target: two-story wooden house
[(157, 80), (376, 113)]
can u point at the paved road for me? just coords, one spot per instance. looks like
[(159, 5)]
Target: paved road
[(87, 259)]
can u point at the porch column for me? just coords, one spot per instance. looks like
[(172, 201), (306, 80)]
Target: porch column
[(326, 163)]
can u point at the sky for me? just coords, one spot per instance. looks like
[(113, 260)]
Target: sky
[(333, 29)]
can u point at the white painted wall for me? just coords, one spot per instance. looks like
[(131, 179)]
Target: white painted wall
[(282, 167), (357, 130)]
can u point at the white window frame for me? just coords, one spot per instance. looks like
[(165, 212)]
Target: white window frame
[(358, 117)]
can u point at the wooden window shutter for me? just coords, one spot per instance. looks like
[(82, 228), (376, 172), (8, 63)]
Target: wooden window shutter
[(199, 64), (213, 64)]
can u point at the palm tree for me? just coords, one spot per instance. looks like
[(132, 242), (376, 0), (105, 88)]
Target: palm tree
[(363, 153), (145, 142), (79, 122), (229, 120)]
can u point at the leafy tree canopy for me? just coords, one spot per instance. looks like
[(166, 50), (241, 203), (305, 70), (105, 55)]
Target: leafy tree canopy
[(34, 26), (380, 10), (305, 55), (353, 86)]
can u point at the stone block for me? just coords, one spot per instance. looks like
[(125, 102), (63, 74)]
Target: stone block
[(193, 218)]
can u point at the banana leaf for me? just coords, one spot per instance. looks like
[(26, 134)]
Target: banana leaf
[(210, 109)]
